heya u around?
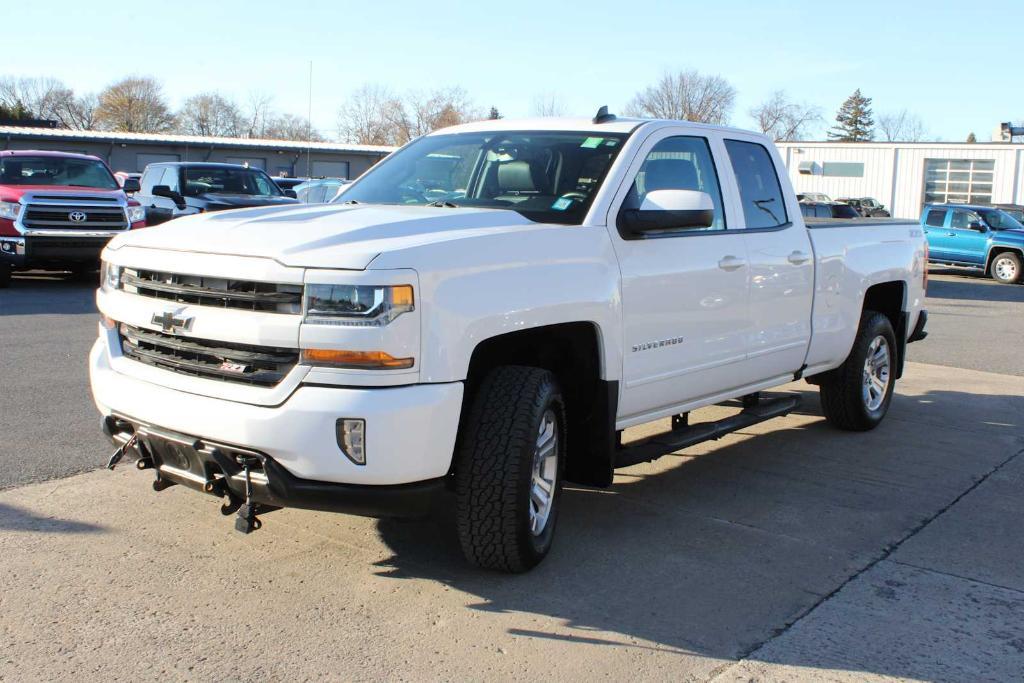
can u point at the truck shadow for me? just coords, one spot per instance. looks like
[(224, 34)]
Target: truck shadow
[(33, 294), (970, 286), (716, 554), (13, 518)]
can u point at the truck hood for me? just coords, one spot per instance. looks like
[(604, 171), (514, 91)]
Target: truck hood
[(321, 236), (13, 193), (237, 201)]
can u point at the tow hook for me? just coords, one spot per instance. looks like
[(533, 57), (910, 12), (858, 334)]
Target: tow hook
[(116, 456), (247, 521)]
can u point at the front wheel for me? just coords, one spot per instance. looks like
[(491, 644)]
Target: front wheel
[(1006, 268), (856, 395), (509, 469)]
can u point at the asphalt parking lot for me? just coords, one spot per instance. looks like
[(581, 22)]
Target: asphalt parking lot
[(805, 553)]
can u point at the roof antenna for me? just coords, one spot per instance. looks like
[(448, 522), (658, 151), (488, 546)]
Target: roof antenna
[(603, 116)]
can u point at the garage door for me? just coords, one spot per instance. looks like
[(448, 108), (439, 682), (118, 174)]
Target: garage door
[(143, 160), (251, 162), (330, 169)]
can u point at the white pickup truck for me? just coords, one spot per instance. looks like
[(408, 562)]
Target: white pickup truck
[(483, 315)]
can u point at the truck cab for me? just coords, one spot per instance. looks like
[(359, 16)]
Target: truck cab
[(172, 189), (975, 236), (58, 211)]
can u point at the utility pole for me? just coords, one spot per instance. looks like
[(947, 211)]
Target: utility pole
[(309, 122)]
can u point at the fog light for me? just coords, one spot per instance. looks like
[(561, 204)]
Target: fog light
[(352, 439), (7, 246)]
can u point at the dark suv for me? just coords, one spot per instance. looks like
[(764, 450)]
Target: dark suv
[(831, 210), (175, 189), (869, 207)]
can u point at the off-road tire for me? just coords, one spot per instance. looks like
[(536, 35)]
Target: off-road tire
[(1015, 262), (842, 398), (493, 470)]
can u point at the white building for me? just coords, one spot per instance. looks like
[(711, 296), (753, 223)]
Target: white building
[(906, 175)]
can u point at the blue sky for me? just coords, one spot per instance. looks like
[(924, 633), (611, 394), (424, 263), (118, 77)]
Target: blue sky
[(954, 64)]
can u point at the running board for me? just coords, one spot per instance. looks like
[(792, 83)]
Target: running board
[(685, 435)]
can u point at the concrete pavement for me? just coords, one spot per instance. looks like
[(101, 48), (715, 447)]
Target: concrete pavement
[(802, 553)]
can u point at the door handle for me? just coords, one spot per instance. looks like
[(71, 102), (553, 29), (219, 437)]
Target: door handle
[(731, 263), (950, 234), (797, 258)]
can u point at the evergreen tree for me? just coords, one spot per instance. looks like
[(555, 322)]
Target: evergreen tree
[(972, 138), (854, 122), (14, 113), (494, 114)]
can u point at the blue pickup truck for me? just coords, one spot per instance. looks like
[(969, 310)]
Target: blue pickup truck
[(981, 237)]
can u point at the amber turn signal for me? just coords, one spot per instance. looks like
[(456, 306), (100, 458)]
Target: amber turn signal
[(367, 360)]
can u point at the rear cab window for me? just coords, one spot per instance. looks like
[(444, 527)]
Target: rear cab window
[(760, 191)]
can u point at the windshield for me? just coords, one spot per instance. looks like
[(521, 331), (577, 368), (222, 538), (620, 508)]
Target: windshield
[(548, 177), (56, 171), (248, 181), (997, 219)]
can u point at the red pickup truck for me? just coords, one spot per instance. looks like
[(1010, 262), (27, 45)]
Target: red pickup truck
[(58, 210)]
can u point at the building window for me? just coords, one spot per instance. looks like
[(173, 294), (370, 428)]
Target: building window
[(842, 169), (958, 181)]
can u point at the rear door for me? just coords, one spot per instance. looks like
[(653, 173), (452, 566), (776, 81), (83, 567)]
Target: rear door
[(781, 263), (684, 294), (968, 245), (938, 235)]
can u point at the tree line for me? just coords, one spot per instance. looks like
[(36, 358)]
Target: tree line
[(376, 115)]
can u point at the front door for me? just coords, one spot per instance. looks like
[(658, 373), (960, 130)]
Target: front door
[(684, 294), (968, 245)]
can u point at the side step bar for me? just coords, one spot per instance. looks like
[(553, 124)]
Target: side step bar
[(685, 435)]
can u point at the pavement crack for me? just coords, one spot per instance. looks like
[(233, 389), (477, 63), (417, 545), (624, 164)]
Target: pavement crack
[(958, 576), (886, 552)]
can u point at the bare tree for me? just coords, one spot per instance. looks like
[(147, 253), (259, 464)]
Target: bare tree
[(686, 95), (547, 104), (371, 116), (426, 112), (134, 104), (783, 119), (210, 114), (291, 127), (42, 97), (901, 126), (257, 114)]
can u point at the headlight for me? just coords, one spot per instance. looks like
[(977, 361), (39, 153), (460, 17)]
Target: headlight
[(110, 276), (136, 214), (356, 305), (9, 210)]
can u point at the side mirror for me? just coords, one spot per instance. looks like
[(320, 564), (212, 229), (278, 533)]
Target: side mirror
[(166, 191), (977, 225), (666, 210), (131, 185), (291, 193)]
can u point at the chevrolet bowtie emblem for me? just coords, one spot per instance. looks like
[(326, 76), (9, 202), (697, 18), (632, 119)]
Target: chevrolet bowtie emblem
[(168, 322)]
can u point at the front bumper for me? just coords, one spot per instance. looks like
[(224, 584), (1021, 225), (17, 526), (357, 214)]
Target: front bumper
[(39, 251), (410, 430)]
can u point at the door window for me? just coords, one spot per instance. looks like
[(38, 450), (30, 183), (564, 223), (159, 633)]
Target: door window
[(963, 219), (170, 178), (936, 218), (760, 191), (679, 163)]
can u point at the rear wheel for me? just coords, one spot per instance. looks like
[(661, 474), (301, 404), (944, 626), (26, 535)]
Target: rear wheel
[(509, 469), (856, 395), (1006, 268)]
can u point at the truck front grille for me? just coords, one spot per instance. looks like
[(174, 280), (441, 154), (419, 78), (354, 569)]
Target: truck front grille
[(221, 292), (72, 217), (229, 362)]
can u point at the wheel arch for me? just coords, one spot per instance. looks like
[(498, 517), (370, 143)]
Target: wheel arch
[(890, 299), (995, 250), (574, 353)]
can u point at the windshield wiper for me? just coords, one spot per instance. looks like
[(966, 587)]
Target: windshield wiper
[(443, 204)]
